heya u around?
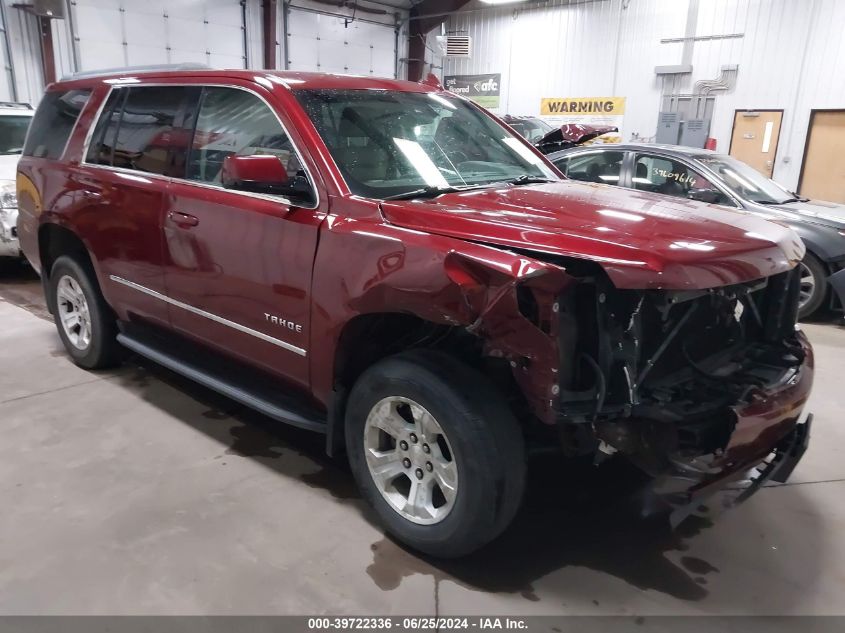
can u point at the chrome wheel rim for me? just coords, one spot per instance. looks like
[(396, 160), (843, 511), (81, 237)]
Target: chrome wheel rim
[(73, 312), (410, 460), (808, 285)]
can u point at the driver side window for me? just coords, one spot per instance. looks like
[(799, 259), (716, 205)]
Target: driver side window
[(601, 166), (235, 122)]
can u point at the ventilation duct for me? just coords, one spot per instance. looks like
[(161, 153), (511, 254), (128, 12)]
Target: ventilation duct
[(455, 45)]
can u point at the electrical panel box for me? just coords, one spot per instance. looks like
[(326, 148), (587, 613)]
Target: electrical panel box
[(668, 128), (694, 132)]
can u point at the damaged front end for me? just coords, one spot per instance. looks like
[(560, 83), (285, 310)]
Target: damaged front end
[(697, 388)]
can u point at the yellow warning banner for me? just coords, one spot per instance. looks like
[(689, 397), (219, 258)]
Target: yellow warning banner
[(582, 106)]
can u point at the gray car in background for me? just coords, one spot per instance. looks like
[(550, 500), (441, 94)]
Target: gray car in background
[(707, 176)]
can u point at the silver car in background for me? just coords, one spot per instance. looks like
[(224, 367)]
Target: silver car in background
[(707, 176)]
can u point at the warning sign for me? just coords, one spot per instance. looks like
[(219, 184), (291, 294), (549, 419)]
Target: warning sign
[(586, 110)]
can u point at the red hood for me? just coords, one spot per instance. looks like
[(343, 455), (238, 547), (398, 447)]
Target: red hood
[(642, 240)]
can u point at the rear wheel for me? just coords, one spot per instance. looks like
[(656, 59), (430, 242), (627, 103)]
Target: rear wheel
[(435, 451), (85, 323), (813, 286)]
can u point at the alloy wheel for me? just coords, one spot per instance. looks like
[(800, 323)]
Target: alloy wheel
[(808, 285), (73, 312), (410, 460)]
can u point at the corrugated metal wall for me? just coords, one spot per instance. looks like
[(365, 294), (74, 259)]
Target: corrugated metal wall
[(113, 33), (791, 57)]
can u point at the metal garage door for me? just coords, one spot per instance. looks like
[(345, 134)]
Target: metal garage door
[(329, 44), (132, 33)]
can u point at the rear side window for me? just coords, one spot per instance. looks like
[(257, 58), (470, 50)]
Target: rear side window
[(53, 122), (146, 132)]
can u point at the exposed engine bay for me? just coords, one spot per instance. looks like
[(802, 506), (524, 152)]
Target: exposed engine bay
[(667, 378)]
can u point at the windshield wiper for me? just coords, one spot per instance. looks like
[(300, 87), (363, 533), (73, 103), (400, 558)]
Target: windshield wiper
[(776, 202), (426, 192), (525, 179)]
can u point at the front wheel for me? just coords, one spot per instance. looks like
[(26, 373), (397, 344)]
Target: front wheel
[(85, 323), (435, 452), (813, 286)]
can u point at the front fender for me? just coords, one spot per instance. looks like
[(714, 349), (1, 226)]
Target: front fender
[(442, 280)]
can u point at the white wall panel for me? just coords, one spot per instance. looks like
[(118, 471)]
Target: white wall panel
[(129, 33), (791, 57), (335, 44)]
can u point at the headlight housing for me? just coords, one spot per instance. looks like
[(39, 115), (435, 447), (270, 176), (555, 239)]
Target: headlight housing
[(8, 195)]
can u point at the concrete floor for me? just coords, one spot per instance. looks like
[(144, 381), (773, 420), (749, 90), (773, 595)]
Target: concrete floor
[(136, 492)]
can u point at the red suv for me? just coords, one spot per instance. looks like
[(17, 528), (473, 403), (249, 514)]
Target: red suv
[(389, 264)]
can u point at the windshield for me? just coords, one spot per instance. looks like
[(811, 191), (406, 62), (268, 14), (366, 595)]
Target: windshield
[(746, 181), (12, 133), (389, 143), (532, 129)]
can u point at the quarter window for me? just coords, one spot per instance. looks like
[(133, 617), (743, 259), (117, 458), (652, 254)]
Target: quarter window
[(53, 122), (603, 167), (235, 122)]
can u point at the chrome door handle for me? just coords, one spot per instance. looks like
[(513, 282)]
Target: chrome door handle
[(184, 220)]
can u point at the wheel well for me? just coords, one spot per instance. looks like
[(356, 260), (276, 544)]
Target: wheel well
[(368, 338), (55, 241)]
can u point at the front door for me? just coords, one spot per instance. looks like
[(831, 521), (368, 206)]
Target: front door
[(239, 264), (823, 172), (755, 138)]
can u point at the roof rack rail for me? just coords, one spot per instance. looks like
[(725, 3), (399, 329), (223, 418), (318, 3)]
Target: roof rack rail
[(15, 104), (134, 70)]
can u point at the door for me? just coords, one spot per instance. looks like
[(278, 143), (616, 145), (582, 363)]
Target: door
[(239, 264), (755, 138), (124, 180), (823, 171), (335, 44)]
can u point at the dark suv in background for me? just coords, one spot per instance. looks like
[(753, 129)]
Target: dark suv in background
[(698, 174), (385, 263)]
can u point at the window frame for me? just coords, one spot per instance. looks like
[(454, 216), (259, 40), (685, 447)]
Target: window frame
[(731, 199), (190, 126)]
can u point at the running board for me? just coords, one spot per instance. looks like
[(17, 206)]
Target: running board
[(277, 407)]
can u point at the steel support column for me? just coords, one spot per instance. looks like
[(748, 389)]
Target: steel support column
[(426, 16), (269, 19)]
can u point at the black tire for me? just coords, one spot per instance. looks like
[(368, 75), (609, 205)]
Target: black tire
[(103, 350), (485, 440), (817, 298)]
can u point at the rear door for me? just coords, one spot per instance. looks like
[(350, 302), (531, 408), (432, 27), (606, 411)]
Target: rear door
[(239, 264), (123, 180)]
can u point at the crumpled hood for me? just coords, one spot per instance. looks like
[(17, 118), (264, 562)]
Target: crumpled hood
[(642, 240), (571, 134)]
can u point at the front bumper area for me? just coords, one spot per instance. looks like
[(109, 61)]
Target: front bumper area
[(769, 439)]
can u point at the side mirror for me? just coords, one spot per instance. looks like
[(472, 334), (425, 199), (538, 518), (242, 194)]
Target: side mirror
[(703, 195), (262, 173)]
